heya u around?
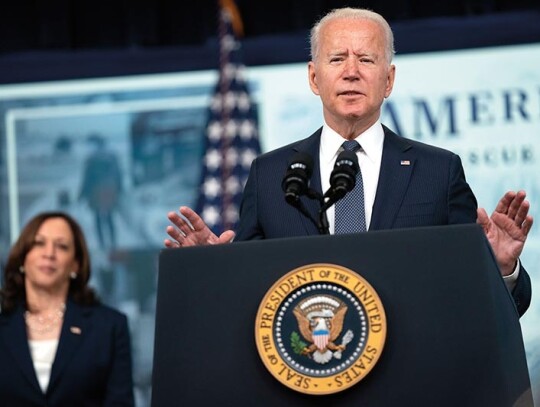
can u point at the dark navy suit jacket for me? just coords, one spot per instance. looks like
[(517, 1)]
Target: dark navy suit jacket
[(92, 366), (419, 185)]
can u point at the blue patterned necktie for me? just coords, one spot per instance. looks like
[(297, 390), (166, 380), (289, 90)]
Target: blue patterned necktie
[(350, 214)]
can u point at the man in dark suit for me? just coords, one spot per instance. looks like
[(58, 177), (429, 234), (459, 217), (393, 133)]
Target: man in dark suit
[(405, 183)]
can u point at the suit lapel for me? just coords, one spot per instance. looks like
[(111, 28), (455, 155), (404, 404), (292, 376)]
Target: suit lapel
[(311, 147), (397, 165), (76, 325), (13, 333)]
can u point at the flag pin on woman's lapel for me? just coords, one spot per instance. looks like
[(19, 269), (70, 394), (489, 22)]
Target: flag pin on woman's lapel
[(405, 162)]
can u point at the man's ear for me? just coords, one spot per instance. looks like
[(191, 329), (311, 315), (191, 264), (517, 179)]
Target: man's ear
[(390, 80), (312, 77)]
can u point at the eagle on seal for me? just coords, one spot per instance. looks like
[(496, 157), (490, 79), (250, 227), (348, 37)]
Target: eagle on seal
[(321, 324)]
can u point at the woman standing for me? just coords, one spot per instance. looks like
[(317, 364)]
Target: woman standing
[(58, 345)]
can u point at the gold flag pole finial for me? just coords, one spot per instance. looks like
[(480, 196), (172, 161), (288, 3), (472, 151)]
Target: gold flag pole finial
[(236, 19)]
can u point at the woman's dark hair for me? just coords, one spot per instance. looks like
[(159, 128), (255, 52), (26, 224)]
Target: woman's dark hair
[(13, 290)]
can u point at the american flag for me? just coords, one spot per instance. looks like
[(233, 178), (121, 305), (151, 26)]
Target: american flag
[(231, 140)]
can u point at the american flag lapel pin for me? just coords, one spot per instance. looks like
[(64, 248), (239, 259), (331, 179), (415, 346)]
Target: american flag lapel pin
[(405, 162), (75, 330)]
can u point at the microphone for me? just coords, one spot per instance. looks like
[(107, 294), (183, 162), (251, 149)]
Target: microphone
[(295, 183), (343, 176), (296, 179)]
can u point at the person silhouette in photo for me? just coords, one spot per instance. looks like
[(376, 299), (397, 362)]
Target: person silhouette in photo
[(101, 188)]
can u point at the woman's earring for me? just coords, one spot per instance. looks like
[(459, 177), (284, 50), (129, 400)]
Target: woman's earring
[(73, 275), (21, 269)]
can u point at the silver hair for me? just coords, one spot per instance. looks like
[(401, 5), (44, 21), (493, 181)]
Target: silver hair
[(352, 14)]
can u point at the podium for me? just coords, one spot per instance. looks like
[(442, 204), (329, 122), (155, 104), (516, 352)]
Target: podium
[(453, 334)]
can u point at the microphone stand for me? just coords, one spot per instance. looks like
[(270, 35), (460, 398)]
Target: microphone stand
[(332, 196), (322, 224), (342, 180), (325, 201), (324, 227)]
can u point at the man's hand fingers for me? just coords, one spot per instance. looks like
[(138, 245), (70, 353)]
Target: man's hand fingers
[(522, 212), (527, 225), (515, 205), (226, 237), (175, 234), (193, 218), (180, 222), (170, 244), (505, 201), (482, 218)]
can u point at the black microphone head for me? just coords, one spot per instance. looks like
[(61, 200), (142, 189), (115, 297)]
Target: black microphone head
[(296, 180), (347, 159), (343, 176), (301, 161)]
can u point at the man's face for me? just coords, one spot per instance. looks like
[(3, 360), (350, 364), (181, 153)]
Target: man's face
[(351, 73)]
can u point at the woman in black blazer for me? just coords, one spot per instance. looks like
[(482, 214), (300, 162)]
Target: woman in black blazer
[(58, 345)]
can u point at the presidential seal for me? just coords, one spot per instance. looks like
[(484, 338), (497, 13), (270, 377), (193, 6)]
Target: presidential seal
[(320, 329)]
